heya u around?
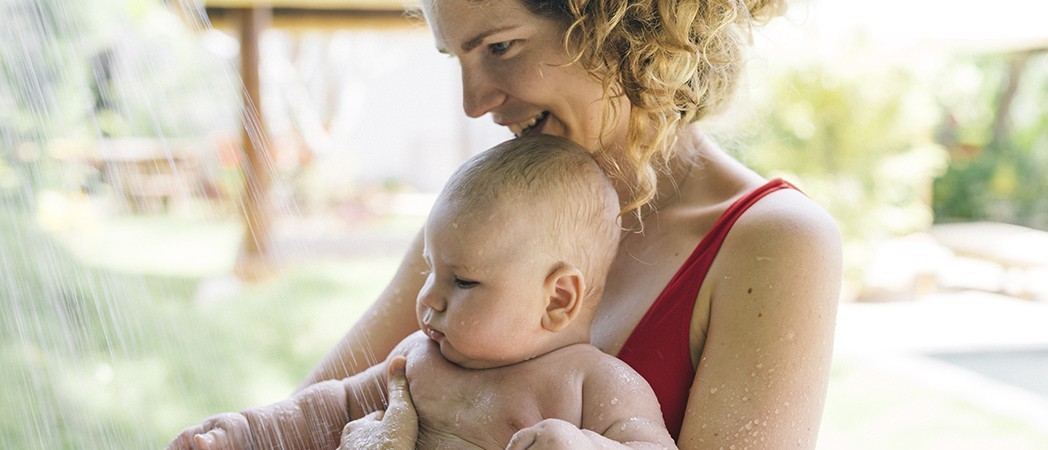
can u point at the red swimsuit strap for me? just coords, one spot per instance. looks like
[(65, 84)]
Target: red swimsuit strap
[(658, 347)]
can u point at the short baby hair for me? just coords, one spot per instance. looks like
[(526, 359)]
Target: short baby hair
[(570, 198)]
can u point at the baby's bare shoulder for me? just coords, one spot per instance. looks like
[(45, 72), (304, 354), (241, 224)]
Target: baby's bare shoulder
[(619, 403), (589, 358)]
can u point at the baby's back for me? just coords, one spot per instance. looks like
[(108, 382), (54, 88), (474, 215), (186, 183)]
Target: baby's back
[(466, 408)]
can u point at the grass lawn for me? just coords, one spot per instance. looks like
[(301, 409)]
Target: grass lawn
[(871, 408), (118, 335)]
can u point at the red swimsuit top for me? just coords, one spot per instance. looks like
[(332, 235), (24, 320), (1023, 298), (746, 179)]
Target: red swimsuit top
[(658, 347)]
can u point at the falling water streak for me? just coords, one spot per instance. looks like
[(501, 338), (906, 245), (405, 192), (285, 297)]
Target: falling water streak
[(51, 308), (27, 311), (57, 320)]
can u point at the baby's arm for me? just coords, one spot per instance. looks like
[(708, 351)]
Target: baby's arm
[(311, 419), (619, 406)]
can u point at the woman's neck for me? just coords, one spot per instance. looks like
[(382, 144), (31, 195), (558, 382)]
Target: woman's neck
[(686, 158)]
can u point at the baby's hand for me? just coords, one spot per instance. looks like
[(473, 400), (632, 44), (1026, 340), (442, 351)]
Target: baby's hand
[(228, 431), (553, 434)]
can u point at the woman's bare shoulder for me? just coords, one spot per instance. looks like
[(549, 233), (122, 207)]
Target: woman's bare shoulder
[(787, 218), (783, 250)]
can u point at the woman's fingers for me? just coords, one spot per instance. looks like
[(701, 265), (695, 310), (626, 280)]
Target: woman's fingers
[(396, 428), (228, 431), (184, 440), (401, 410)]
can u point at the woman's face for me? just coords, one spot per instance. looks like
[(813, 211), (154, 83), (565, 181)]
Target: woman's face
[(512, 67)]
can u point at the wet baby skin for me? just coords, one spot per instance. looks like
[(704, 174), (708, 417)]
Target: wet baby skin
[(469, 408)]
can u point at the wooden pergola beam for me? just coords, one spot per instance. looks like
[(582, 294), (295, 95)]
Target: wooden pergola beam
[(255, 259), (250, 18), (305, 19)]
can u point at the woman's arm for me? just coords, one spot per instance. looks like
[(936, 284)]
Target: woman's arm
[(396, 427), (312, 418), (386, 322), (762, 377)]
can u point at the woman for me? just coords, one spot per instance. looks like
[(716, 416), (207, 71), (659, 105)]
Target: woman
[(724, 289)]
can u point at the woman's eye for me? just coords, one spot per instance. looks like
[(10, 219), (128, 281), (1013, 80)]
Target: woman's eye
[(464, 284), (500, 48)]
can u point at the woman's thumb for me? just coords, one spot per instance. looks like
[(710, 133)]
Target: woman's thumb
[(399, 397)]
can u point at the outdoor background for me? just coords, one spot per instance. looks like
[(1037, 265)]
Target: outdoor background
[(920, 125)]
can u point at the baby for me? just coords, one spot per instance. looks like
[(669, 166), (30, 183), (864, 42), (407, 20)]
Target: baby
[(518, 246)]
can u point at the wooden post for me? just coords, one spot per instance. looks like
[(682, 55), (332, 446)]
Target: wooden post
[(255, 259)]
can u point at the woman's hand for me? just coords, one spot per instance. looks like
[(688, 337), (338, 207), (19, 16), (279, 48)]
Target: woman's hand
[(396, 428), (228, 431)]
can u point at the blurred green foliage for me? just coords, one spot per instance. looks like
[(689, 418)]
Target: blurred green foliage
[(889, 148), (858, 143), (73, 73), (995, 126)]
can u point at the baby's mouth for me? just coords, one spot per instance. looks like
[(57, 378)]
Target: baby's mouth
[(434, 334), (535, 124)]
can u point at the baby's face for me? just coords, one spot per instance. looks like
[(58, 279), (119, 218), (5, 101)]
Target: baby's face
[(484, 296)]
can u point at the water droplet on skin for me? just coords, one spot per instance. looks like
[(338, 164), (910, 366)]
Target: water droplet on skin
[(713, 390), (614, 400)]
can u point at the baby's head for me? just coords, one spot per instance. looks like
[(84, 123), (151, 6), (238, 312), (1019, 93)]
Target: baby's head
[(519, 244)]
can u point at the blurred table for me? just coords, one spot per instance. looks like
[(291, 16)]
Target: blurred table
[(1019, 250)]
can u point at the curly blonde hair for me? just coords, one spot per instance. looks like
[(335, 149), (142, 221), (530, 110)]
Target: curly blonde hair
[(676, 61)]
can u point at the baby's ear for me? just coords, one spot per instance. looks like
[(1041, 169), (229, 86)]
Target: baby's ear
[(564, 290)]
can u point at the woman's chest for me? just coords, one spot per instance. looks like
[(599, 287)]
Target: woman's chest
[(643, 268)]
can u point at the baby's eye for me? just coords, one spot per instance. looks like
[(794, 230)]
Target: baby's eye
[(464, 284), (500, 48)]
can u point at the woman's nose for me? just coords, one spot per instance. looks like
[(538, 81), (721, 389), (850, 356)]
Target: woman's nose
[(479, 93)]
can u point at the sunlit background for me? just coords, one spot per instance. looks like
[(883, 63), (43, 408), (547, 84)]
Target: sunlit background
[(169, 250)]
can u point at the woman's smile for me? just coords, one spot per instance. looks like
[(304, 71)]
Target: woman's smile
[(530, 126)]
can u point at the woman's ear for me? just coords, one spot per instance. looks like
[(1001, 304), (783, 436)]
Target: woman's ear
[(565, 289)]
